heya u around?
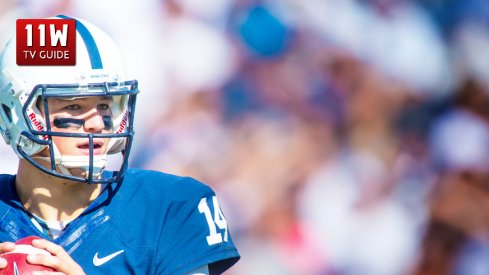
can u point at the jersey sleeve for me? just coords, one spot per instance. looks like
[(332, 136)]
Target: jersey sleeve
[(195, 232)]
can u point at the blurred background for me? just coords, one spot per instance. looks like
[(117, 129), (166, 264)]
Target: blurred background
[(341, 136)]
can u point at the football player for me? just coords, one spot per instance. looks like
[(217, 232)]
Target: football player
[(63, 122)]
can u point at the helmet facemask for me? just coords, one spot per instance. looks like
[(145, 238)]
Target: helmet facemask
[(118, 130)]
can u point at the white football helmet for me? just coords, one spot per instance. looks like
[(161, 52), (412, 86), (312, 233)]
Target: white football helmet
[(98, 72)]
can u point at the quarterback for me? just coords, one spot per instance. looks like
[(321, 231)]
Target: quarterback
[(63, 122)]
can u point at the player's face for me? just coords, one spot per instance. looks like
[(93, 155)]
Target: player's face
[(80, 115)]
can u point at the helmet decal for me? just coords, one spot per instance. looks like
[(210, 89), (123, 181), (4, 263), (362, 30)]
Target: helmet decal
[(123, 124), (36, 122)]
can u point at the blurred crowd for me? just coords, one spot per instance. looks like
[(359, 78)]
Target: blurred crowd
[(342, 136)]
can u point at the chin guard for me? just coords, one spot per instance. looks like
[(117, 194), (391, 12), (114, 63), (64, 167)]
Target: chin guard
[(65, 163)]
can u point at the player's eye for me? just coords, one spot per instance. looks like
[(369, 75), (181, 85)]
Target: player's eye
[(72, 107), (103, 107)]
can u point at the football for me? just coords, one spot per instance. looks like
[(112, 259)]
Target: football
[(17, 259)]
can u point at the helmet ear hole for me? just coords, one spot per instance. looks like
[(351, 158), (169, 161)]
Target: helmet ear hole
[(8, 113)]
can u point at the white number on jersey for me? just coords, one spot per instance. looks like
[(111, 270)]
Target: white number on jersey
[(219, 220)]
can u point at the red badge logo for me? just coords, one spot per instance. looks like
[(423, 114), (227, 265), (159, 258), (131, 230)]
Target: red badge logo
[(46, 42)]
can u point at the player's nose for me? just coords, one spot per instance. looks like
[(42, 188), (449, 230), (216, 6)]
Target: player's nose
[(94, 123)]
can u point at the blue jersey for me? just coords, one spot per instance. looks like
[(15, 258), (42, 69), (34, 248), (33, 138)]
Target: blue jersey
[(149, 223)]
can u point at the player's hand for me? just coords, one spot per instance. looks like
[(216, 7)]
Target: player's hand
[(5, 247), (59, 259)]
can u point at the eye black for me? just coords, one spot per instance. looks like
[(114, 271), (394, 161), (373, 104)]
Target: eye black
[(68, 122)]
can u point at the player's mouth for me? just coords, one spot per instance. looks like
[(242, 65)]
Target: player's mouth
[(84, 147)]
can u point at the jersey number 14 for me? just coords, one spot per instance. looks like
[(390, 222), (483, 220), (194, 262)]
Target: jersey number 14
[(214, 220)]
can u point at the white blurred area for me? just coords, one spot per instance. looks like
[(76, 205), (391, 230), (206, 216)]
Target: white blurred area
[(331, 130)]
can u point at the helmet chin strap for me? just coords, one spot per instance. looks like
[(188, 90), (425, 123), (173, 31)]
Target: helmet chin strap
[(65, 163)]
